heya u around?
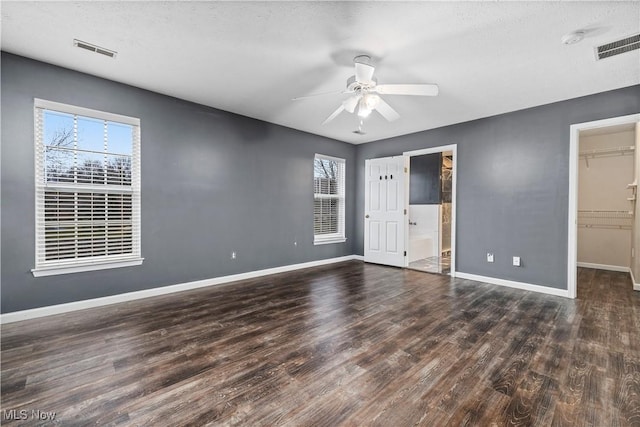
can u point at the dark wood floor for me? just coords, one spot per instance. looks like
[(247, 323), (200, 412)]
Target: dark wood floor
[(346, 344)]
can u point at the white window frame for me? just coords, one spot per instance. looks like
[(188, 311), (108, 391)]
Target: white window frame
[(340, 236), (45, 267)]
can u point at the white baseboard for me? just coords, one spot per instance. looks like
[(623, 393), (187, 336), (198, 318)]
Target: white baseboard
[(33, 313), (604, 267), (513, 284), (636, 285)]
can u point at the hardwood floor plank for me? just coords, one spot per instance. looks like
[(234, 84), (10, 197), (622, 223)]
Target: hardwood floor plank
[(627, 391), (483, 407), (533, 402)]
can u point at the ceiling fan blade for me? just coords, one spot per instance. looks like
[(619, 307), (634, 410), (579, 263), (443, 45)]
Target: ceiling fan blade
[(364, 73), (350, 103), (407, 89), (386, 111), (334, 92), (333, 115)]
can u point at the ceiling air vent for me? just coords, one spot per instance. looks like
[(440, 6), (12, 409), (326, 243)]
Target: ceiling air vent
[(618, 47), (94, 48)]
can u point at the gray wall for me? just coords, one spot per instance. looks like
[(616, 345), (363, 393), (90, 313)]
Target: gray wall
[(513, 184), (425, 179), (212, 183)]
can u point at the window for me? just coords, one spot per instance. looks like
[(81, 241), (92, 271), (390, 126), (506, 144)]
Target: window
[(328, 198), (87, 189)]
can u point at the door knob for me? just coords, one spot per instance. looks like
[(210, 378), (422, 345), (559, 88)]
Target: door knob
[(366, 216)]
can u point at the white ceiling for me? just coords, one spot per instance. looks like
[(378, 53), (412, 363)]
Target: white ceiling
[(252, 58)]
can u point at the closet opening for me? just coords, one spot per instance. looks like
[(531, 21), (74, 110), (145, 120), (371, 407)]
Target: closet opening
[(604, 227), (606, 197)]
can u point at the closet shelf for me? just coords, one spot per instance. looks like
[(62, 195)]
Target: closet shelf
[(605, 219)]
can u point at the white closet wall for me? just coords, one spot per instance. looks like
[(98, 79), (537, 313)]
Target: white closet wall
[(605, 215), (635, 256)]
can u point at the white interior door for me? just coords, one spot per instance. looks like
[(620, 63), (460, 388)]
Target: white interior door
[(385, 211)]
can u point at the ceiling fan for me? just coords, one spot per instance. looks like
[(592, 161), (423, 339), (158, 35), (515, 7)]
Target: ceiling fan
[(366, 92)]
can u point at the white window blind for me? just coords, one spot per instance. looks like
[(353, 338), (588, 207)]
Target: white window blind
[(329, 199), (87, 189)]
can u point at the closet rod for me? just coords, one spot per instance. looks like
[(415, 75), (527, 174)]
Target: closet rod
[(605, 214), (611, 150), (608, 226), (605, 152)]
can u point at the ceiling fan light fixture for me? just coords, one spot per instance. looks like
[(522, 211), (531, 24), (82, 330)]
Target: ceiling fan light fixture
[(364, 113), (350, 104), (371, 100), (363, 109)]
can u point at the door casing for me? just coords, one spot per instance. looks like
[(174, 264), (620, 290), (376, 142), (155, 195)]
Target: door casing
[(574, 145), (440, 149)]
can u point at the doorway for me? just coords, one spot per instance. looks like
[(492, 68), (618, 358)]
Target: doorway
[(585, 217), (606, 197), (431, 231)]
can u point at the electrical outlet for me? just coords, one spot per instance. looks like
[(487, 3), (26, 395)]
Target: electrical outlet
[(489, 257), (516, 261), (233, 255), (295, 243)]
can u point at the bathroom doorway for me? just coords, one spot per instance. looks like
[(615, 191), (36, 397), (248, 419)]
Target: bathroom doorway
[(431, 231)]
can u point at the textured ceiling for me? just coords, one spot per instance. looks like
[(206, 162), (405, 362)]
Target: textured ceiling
[(252, 58)]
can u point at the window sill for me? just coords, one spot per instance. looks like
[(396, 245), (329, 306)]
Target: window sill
[(329, 241), (78, 268)]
